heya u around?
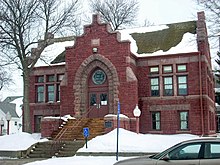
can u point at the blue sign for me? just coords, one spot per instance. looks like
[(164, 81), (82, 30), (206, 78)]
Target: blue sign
[(119, 109), (86, 132)]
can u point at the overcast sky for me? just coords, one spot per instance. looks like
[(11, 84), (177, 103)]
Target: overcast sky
[(167, 11)]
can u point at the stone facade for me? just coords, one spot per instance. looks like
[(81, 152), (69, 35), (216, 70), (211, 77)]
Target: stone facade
[(129, 81)]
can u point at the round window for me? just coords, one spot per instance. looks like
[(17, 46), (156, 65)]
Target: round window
[(98, 77)]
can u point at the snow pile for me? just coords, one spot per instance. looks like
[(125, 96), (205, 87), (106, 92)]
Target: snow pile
[(19, 141), (133, 142)]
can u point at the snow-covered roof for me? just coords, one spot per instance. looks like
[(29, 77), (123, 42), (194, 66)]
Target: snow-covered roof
[(52, 51), (163, 39), (145, 41)]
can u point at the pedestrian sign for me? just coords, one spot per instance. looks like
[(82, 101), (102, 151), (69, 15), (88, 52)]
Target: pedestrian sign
[(86, 132)]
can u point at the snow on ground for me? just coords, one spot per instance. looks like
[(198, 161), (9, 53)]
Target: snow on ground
[(133, 142), (128, 142), (19, 141)]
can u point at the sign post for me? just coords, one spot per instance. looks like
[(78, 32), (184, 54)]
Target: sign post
[(118, 125), (86, 134)]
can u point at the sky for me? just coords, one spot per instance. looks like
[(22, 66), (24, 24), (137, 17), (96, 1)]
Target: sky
[(128, 142), (167, 11), (156, 11)]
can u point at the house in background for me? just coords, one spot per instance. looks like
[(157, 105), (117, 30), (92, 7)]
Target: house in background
[(165, 71), (10, 106)]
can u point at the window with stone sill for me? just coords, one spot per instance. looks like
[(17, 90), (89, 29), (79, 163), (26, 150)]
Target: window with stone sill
[(50, 93), (154, 70), (154, 82), (167, 69), (184, 120), (40, 93), (155, 118), (181, 68), (182, 85), (168, 86), (49, 90), (50, 78), (40, 79)]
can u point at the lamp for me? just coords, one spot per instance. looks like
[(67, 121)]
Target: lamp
[(137, 113), (1, 125), (8, 118), (94, 50)]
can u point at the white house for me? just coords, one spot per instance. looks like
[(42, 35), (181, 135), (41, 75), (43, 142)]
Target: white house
[(10, 115)]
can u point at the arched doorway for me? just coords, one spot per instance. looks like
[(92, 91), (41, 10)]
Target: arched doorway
[(98, 94), (81, 85)]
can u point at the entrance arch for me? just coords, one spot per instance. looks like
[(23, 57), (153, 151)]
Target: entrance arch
[(80, 87), (98, 94)]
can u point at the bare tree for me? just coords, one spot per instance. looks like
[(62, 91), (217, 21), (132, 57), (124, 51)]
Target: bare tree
[(119, 13), (212, 8), (22, 24), (5, 79)]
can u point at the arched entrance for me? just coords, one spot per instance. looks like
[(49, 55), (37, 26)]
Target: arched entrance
[(84, 87), (98, 94)]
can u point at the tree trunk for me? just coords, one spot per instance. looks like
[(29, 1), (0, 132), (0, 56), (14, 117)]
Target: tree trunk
[(26, 111)]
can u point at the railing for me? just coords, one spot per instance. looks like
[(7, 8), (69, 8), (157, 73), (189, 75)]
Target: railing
[(76, 124), (57, 141)]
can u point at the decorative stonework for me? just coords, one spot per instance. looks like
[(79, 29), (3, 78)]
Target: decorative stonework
[(80, 86)]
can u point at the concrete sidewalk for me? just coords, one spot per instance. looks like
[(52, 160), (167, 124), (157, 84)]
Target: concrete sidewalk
[(18, 161)]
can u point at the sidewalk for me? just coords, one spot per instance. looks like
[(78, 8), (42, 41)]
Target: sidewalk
[(18, 161)]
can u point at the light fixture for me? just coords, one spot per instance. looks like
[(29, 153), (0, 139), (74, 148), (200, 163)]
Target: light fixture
[(94, 50), (137, 111)]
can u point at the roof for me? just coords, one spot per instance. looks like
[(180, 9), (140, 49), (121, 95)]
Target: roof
[(10, 104), (11, 98), (52, 51), (165, 39), (9, 107), (156, 40)]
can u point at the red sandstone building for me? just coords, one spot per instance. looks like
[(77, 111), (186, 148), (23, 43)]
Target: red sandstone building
[(165, 70)]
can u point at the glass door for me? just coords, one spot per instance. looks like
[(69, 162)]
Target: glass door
[(98, 104)]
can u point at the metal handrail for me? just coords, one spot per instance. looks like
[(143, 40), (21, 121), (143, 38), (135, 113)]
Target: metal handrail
[(79, 120)]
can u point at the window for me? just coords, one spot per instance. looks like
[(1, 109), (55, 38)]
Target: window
[(16, 123), (167, 69), (60, 77), (58, 92), (154, 86), (154, 69), (92, 99), (186, 152), (182, 85), (40, 93), (183, 120), (50, 78), (181, 68), (103, 99), (211, 150), (50, 93), (155, 120), (40, 79), (168, 86)]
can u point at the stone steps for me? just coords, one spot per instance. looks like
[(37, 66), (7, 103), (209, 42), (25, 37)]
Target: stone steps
[(54, 148)]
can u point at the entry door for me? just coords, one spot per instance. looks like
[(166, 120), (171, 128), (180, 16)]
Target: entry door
[(37, 127), (98, 104)]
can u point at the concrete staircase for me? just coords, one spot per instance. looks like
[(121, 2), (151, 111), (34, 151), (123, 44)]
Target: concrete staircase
[(73, 129), (67, 139), (54, 148)]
